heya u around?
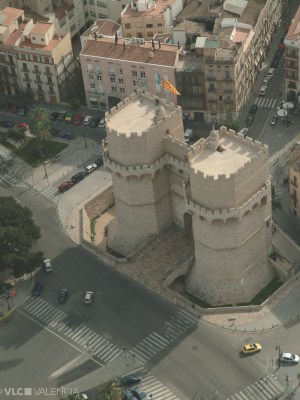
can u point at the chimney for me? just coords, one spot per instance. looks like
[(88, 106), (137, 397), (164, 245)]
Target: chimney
[(178, 45), (116, 38), (159, 44), (95, 35)]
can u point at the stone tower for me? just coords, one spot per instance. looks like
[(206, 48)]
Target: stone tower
[(136, 130), (230, 203)]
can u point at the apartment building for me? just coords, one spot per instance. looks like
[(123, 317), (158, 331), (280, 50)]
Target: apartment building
[(39, 6), (292, 59), (32, 56), (294, 181), (114, 68), (146, 18), (225, 46)]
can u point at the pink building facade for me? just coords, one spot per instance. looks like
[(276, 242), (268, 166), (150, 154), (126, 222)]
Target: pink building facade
[(114, 68)]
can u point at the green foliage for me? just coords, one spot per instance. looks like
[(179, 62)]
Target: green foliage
[(73, 396), (18, 233), (74, 103), (40, 123), (16, 134), (109, 390)]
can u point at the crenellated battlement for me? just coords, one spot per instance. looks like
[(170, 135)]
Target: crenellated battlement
[(225, 214)]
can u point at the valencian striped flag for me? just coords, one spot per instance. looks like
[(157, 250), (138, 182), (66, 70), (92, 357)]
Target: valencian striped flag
[(169, 87)]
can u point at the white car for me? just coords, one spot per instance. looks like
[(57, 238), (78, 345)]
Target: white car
[(90, 168), (101, 123), (263, 90), (271, 72), (244, 131), (48, 266), (87, 120), (188, 135), (289, 358), (88, 298)]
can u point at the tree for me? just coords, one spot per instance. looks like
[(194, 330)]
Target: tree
[(74, 103), (18, 233), (109, 390), (40, 123)]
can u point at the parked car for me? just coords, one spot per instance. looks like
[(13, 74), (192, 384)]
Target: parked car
[(77, 119), (87, 120), (249, 120), (244, 131), (251, 348), (271, 72), (94, 122), (22, 125), (88, 298), (67, 135), (289, 358), (188, 135), (130, 380), (101, 123), (61, 116), (78, 177), (90, 168), (37, 289), (48, 267), (65, 186), (62, 295), (99, 161), (68, 117), (253, 109), (6, 124), (127, 395), (22, 111), (266, 81), (263, 90), (140, 395), (54, 115)]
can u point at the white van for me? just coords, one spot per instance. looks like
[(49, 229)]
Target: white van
[(101, 123)]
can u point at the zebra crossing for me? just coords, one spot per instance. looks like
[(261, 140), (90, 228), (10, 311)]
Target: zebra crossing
[(267, 388), (265, 102), (8, 180), (52, 193), (151, 385), (158, 340), (83, 336)]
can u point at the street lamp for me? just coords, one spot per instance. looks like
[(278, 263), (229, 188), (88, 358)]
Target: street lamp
[(287, 381), (279, 354)]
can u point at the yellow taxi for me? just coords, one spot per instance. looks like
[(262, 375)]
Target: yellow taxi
[(251, 348)]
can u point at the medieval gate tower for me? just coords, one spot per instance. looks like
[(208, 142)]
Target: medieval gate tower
[(220, 184)]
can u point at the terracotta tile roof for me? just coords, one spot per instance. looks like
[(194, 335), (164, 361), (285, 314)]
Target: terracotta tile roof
[(153, 11), (15, 35), (294, 29), (41, 28), (105, 27), (11, 14), (107, 48), (294, 159), (26, 44)]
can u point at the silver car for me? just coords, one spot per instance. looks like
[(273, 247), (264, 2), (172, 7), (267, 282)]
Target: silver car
[(289, 358)]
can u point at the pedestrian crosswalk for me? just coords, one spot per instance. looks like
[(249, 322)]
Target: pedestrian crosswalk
[(52, 193), (100, 347), (152, 386), (267, 388), (82, 335), (265, 102), (158, 340), (8, 180)]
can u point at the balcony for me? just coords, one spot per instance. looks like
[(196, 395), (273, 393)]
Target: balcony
[(48, 73), (38, 82), (25, 70), (111, 73), (36, 71), (27, 79), (292, 56), (291, 78), (291, 67)]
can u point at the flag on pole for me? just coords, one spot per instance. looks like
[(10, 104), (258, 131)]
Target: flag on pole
[(169, 87)]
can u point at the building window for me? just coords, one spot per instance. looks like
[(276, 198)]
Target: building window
[(143, 74), (34, 58), (127, 26), (120, 71), (92, 85), (90, 68), (121, 81), (122, 90), (135, 84), (113, 89), (159, 24), (91, 76), (73, 27), (101, 4), (150, 34), (149, 25), (93, 14), (99, 77), (102, 16), (112, 79), (134, 73)]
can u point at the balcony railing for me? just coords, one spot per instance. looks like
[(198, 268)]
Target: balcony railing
[(48, 73), (36, 71)]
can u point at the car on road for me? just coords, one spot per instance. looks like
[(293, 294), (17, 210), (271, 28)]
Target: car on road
[(6, 124), (94, 122), (67, 135), (22, 111), (22, 125), (54, 115), (62, 295), (61, 116), (90, 168), (266, 81), (130, 380), (244, 131), (101, 123), (77, 119), (37, 289), (251, 348), (253, 109), (289, 358), (48, 267), (188, 135), (263, 90), (78, 177), (271, 72), (139, 394), (65, 186), (99, 161), (88, 297), (68, 117), (249, 120), (127, 395), (87, 120)]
